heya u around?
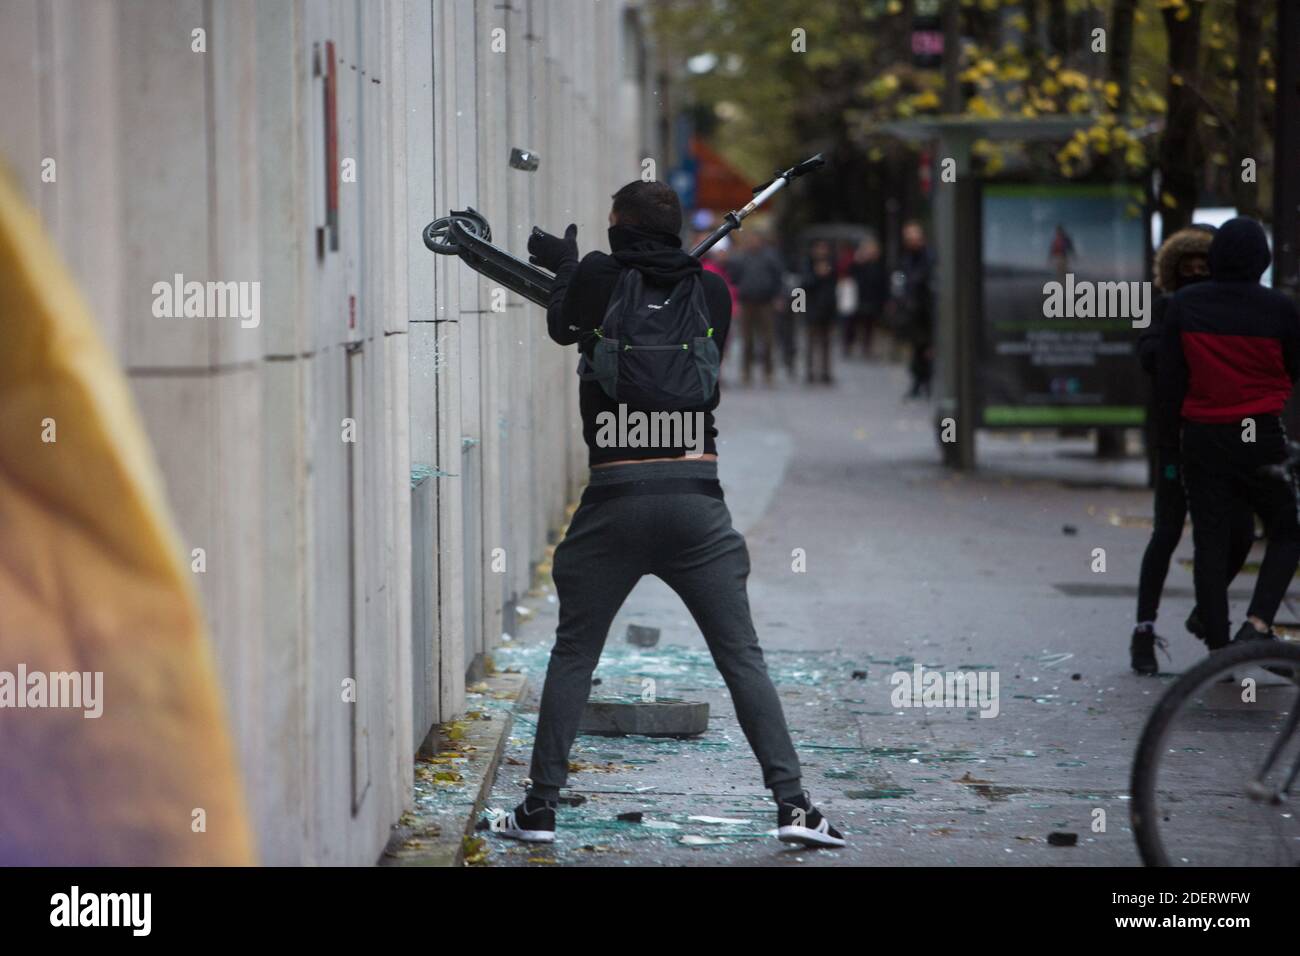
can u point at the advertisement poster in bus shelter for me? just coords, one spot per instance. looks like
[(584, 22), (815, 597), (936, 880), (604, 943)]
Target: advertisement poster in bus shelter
[(1066, 361)]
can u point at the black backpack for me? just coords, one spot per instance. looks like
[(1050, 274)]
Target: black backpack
[(655, 352)]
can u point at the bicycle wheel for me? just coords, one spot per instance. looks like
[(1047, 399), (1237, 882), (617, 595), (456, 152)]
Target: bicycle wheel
[(1217, 761)]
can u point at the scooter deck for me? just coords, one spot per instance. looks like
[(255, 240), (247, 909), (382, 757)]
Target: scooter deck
[(466, 233), (515, 274)]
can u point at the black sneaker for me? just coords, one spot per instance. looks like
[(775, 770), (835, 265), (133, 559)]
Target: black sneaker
[(798, 821), (1142, 650), (1196, 627), (1247, 633), (533, 821)]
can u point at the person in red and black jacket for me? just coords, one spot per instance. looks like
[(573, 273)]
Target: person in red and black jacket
[(1182, 259), (1229, 357)]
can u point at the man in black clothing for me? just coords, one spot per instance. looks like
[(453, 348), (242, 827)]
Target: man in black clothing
[(580, 297), (918, 306), (759, 275), (1229, 358), (648, 510), (821, 308), (868, 273), (1181, 260)]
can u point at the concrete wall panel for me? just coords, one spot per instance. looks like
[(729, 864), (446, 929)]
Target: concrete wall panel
[(319, 570)]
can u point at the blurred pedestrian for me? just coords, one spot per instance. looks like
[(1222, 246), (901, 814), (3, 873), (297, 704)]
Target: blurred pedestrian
[(788, 323), (758, 272), (821, 308), (1181, 260), (917, 306), (846, 290), (868, 273), (718, 260)]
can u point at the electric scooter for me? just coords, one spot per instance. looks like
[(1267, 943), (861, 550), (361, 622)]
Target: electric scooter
[(466, 233)]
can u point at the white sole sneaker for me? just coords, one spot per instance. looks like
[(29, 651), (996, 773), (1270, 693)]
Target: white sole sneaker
[(806, 836), (506, 824), (528, 836)]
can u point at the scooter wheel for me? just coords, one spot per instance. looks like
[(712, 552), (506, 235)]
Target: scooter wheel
[(472, 221), (437, 237)]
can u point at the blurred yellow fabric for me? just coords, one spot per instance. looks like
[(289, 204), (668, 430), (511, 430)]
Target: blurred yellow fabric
[(92, 580)]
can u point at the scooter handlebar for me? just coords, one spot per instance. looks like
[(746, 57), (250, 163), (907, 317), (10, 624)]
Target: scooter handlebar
[(794, 172), (807, 166)]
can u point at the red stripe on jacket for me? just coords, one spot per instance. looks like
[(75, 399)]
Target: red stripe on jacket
[(1230, 377)]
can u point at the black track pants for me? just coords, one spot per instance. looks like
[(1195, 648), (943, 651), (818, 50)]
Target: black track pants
[(1222, 475), (687, 540)]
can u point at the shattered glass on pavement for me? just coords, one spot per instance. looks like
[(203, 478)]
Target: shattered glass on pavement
[(701, 799)]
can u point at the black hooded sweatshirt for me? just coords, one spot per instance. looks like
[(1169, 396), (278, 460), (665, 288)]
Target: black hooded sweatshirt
[(577, 307), (1231, 347)]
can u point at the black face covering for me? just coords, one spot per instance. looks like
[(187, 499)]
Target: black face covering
[(656, 254), (639, 237)]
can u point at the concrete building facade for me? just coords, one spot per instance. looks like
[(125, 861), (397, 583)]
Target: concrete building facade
[(366, 470)]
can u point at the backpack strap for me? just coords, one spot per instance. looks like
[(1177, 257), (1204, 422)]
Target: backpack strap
[(627, 292), (627, 288), (698, 301)]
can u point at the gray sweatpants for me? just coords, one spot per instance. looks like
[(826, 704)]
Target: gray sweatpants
[(687, 540)]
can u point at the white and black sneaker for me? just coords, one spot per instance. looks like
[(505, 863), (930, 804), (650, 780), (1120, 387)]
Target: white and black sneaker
[(533, 821), (798, 821)]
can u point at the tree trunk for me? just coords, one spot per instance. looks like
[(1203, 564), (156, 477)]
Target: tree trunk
[(1119, 50), (1058, 29), (1033, 49), (952, 99), (1119, 61), (1182, 155), (1245, 140)]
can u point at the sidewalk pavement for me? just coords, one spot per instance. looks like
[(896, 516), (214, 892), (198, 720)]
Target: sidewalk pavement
[(906, 564)]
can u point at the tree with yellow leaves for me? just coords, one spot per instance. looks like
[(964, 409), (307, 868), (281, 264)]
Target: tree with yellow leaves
[(1170, 83)]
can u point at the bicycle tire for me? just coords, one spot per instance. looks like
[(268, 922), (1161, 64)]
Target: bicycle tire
[(1143, 812)]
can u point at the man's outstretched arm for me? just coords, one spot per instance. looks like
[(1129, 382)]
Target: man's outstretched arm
[(567, 316), (560, 255)]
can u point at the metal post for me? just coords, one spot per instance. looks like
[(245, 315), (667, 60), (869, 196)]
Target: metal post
[(952, 100), (954, 340), (1286, 168), (1286, 151)]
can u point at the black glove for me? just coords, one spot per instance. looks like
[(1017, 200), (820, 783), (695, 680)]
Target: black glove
[(551, 252)]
